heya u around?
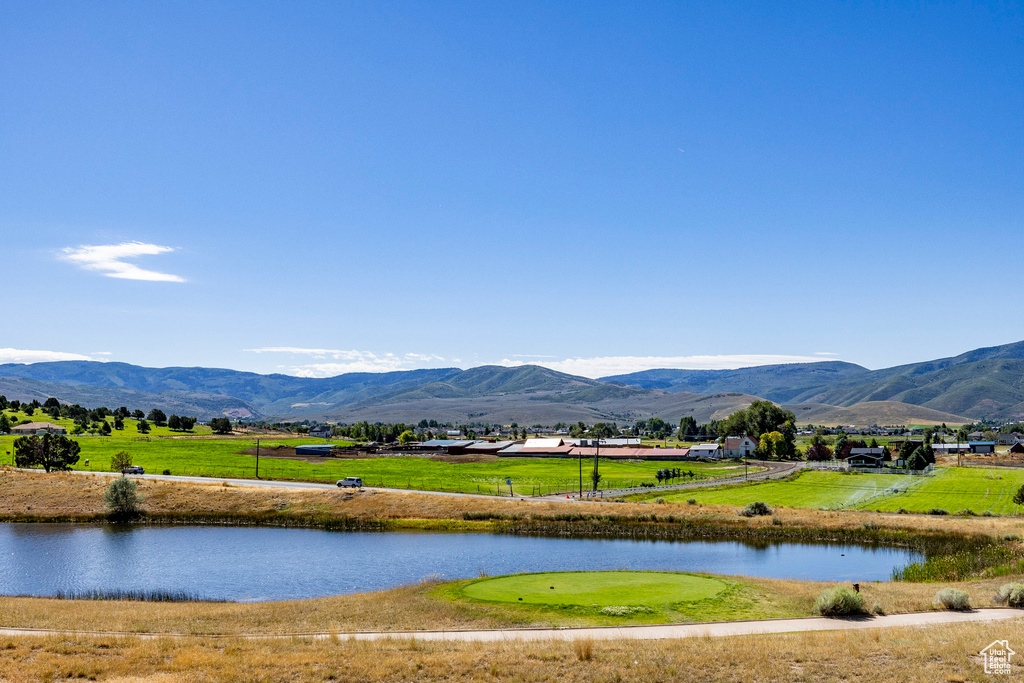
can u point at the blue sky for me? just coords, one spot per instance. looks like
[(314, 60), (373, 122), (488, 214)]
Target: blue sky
[(313, 188)]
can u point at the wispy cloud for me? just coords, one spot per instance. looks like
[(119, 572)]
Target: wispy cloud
[(110, 260), (341, 361), (37, 356), (619, 365)]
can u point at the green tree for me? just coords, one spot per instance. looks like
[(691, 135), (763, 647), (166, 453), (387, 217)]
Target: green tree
[(602, 430), (187, 423), (122, 499), (174, 423), (759, 418), (222, 425), (143, 427), (120, 461), (118, 423), (51, 451), (157, 417), (5, 424), (917, 461), (1018, 498), (406, 437)]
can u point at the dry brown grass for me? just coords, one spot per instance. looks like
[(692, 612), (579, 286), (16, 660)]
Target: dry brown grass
[(938, 653), (28, 495)]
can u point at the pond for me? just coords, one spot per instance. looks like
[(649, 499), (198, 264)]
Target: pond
[(255, 564)]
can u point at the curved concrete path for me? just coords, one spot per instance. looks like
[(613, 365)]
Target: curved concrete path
[(653, 632)]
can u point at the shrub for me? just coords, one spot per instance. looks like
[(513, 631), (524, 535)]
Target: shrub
[(938, 511), (966, 512), (901, 511), (167, 472), (951, 598), (660, 501), (1011, 594), (839, 601), (122, 499), (877, 609), (755, 509), (691, 501)]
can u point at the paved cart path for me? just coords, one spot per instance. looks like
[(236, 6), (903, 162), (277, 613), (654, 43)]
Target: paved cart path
[(654, 632)]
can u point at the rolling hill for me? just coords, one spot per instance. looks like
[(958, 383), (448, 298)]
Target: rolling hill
[(981, 384)]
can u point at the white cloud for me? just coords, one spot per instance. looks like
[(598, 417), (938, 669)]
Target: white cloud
[(37, 356), (620, 365), (109, 259), (341, 361)]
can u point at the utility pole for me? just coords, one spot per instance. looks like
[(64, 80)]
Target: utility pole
[(257, 458), (597, 451), (581, 473)]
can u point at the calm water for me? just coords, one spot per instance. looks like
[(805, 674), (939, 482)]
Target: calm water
[(245, 563)]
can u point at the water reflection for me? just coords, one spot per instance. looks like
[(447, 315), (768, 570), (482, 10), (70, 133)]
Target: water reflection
[(246, 563)]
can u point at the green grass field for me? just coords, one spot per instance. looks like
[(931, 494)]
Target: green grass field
[(954, 489), (808, 490), (596, 589), (951, 488), (226, 457)]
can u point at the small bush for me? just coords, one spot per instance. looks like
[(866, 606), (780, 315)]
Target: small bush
[(167, 472), (966, 512), (755, 509), (660, 501), (986, 513), (839, 601), (584, 648), (951, 598), (938, 511), (122, 499), (691, 501), (902, 511), (1011, 594), (877, 609), (625, 610)]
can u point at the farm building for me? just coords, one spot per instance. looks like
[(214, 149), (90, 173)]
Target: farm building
[(865, 457), (739, 446), (950, 448), (313, 449), (706, 450), (983, 447), (321, 432), (1017, 448), (38, 428)]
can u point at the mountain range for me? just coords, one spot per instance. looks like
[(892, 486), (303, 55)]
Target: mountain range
[(981, 384)]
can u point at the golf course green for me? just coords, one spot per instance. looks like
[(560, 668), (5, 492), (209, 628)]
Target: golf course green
[(600, 589)]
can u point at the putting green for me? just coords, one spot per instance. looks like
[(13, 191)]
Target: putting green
[(603, 589)]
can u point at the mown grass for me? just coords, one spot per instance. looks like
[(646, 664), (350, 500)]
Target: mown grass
[(595, 589)]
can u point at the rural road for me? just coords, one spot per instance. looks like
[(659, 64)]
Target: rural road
[(655, 632), (774, 471)]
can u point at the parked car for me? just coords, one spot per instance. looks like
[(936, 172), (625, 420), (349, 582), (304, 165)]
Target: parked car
[(133, 469), (350, 482)]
